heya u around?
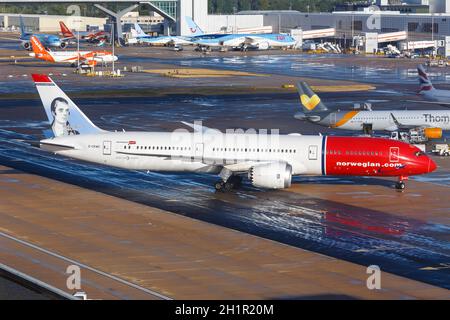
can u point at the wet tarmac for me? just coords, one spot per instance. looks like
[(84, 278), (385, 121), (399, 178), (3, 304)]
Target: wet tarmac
[(403, 245), (409, 245), (304, 65), (10, 290)]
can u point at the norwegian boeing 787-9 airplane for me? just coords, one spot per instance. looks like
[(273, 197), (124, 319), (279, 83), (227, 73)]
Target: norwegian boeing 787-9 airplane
[(269, 161)]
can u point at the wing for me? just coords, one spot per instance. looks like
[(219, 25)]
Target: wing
[(399, 125), (252, 40), (444, 104), (199, 128), (237, 166)]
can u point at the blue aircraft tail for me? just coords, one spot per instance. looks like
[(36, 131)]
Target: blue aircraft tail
[(139, 31), (194, 29), (22, 26)]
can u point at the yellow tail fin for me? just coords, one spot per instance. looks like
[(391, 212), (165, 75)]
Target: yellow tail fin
[(309, 103)]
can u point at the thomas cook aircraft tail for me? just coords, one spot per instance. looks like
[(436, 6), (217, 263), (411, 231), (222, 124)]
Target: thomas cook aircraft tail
[(309, 100)]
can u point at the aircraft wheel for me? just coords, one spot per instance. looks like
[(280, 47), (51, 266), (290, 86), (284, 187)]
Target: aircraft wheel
[(236, 181), (228, 186), (219, 185), (400, 185)]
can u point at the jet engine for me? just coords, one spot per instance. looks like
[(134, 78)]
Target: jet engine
[(26, 45), (63, 45), (433, 133), (263, 46), (275, 175)]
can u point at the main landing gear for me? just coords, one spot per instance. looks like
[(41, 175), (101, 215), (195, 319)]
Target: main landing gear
[(400, 184), (231, 183)]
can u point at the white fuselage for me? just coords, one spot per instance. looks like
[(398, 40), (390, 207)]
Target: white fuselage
[(194, 152), (162, 40), (391, 120), (73, 56)]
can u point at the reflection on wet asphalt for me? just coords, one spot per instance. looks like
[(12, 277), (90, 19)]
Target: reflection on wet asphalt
[(400, 245), (303, 65)]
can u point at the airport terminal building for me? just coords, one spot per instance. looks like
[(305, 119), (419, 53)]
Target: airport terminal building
[(374, 26)]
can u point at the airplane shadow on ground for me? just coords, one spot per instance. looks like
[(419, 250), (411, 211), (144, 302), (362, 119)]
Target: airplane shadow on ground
[(344, 180), (10, 171)]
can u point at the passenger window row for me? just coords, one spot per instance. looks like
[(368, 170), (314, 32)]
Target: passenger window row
[(253, 150), (355, 153), (214, 149), (158, 148)]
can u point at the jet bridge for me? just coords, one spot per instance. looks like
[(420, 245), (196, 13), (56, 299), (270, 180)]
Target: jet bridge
[(372, 40), (166, 8), (301, 35)]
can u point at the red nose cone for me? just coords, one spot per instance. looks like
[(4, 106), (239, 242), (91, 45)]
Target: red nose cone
[(431, 165)]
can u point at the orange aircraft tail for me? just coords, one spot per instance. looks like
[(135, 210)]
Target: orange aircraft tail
[(39, 51)]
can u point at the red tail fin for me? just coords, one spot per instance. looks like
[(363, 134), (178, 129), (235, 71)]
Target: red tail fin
[(66, 31)]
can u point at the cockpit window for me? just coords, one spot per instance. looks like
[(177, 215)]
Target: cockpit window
[(419, 153)]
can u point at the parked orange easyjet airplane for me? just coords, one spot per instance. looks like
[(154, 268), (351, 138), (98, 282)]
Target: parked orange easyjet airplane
[(90, 57)]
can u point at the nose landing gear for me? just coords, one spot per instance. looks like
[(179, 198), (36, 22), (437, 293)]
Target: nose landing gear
[(400, 184)]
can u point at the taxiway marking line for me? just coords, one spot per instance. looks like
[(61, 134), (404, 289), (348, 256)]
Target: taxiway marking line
[(125, 282), (37, 282)]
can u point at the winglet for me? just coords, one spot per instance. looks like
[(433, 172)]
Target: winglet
[(398, 124)]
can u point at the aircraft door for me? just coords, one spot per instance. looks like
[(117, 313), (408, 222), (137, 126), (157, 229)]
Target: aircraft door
[(199, 151), (394, 154), (332, 118), (106, 148), (312, 152)]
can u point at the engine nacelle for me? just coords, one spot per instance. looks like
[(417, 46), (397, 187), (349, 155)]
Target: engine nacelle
[(26, 45), (276, 175), (433, 133), (63, 45), (263, 46)]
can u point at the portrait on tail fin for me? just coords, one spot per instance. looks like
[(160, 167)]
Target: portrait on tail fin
[(61, 112)]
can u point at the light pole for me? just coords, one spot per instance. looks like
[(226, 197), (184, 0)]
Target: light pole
[(112, 32), (235, 21), (78, 50), (353, 26), (432, 27), (432, 33), (78, 22)]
